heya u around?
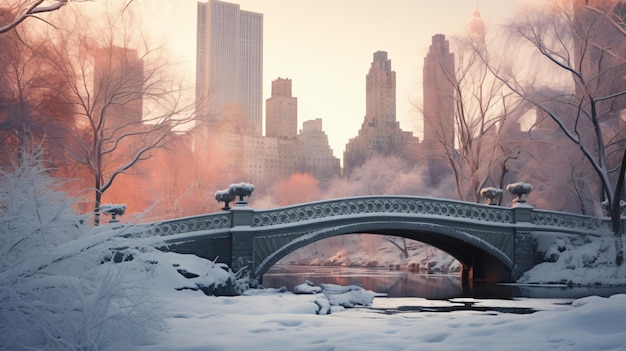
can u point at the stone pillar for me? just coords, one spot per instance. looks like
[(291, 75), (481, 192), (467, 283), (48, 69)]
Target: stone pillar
[(242, 215), (242, 237), (524, 247)]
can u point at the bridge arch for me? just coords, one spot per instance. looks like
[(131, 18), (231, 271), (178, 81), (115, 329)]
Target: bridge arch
[(480, 259)]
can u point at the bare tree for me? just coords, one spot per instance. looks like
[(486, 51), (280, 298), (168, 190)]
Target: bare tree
[(613, 14), (470, 142), (30, 110), (21, 10), (577, 51), (126, 99)]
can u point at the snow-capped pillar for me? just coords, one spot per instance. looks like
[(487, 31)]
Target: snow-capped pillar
[(242, 236), (524, 250)]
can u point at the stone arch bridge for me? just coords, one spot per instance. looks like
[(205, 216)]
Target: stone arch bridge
[(492, 243)]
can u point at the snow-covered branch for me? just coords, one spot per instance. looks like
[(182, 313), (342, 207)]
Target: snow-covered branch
[(32, 10)]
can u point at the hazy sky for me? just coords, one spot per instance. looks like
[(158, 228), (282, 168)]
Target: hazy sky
[(326, 47)]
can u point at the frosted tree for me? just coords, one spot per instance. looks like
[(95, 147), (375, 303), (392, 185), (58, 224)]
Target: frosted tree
[(57, 290), (578, 51)]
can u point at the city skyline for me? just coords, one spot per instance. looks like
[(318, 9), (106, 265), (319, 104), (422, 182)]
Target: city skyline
[(325, 49)]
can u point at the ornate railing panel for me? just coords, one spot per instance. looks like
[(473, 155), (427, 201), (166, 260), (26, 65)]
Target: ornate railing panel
[(192, 224), (381, 204), (565, 220)]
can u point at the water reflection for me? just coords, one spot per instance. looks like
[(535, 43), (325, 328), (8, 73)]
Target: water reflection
[(393, 283), (429, 286)]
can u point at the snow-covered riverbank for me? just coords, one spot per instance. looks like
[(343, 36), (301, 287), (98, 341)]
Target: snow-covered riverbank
[(269, 320)]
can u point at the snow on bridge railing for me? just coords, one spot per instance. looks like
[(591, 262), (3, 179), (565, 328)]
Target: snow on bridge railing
[(382, 204)]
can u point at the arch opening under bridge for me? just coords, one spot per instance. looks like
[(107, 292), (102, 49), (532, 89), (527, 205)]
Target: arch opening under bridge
[(479, 259)]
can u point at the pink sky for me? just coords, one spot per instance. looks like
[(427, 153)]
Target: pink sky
[(326, 47)]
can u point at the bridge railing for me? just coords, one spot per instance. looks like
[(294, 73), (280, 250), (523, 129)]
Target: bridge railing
[(545, 218), (218, 220), (363, 205), (381, 204)]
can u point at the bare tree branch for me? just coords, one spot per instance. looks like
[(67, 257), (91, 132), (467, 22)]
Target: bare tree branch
[(31, 11)]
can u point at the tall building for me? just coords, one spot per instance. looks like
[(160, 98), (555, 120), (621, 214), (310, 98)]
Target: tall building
[(380, 87), (476, 23), (281, 111), (438, 106), (229, 62), (380, 133), (281, 124)]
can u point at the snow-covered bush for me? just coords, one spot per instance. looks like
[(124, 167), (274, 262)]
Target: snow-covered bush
[(347, 296), (57, 290), (307, 288), (190, 272), (578, 260)]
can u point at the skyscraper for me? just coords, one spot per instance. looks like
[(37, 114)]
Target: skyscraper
[(229, 62), (438, 106), (380, 99), (281, 111), (476, 23), (380, 133), (439, 92)]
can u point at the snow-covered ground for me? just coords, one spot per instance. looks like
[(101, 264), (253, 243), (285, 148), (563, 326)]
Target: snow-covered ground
[(281, 320), (287, 322), (272, 320)]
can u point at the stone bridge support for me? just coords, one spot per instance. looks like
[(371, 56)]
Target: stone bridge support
[(523, 252), (242, 238)]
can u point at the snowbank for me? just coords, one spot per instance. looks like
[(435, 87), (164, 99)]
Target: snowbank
[(577, 261)]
